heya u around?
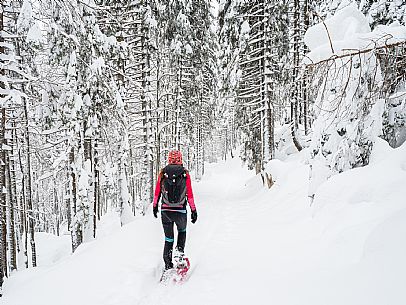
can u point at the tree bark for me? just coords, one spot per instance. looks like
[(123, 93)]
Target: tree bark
[(76, 230), (96, 192), (30, 209), (11, 217), (146, 109), (3, 218), (88, 158), (3, 236), (23, 208)]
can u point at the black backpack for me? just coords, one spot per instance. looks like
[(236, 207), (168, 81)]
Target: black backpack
[(174, 185)]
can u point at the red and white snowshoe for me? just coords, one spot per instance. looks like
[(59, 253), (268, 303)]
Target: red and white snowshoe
[(178, 273), (182, 266)]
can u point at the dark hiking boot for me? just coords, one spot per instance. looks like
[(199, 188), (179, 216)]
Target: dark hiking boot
[(168, 266)]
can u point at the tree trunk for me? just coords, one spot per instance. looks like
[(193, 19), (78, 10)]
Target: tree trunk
[(178, 101), (295, 98), (268, 113), (3, 193), (89, 171), (31, 225), (305, 96), (11, 218), (146, 109), (96, 192), (57, 211), (3, 258), (76, 230), (23, 208)]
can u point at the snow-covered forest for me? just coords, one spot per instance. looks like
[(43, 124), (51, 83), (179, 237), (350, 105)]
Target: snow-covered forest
[(303, 100)]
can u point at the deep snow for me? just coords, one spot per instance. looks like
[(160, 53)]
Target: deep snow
[(249, 245), (346, 32)]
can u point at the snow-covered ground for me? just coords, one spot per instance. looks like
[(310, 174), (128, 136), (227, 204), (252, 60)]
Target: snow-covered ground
[(250, 245)]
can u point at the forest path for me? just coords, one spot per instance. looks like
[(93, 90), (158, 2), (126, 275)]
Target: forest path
[(244, 247), (215, 242), (122, 266)]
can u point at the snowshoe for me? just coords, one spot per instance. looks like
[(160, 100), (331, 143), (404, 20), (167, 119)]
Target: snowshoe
[(167, 275), (182, 265)]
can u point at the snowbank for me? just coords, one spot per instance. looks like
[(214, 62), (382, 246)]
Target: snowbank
[(284, 142), (51, 248), (380, 183)]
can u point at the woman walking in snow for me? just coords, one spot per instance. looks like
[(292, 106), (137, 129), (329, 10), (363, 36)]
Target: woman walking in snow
[(174, 188)]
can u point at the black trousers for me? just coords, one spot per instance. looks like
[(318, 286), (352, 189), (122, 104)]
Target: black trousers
[(168, 219)]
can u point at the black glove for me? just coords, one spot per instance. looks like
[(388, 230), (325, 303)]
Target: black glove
[(155, 210), (194, 216)]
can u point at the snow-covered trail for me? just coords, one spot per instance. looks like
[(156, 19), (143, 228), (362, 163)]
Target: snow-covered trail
[(249, 245), (121, 266), (216, 243)]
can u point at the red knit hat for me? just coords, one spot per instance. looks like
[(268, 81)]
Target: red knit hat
[(175, 157)]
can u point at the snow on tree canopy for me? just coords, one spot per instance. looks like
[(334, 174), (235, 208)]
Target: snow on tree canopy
[(245, 27), (387, 34), (348, 118), (25, 19), (188, 49), (343, 28), (26, 22), (346, 22), (34, 34), (349, 30)]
